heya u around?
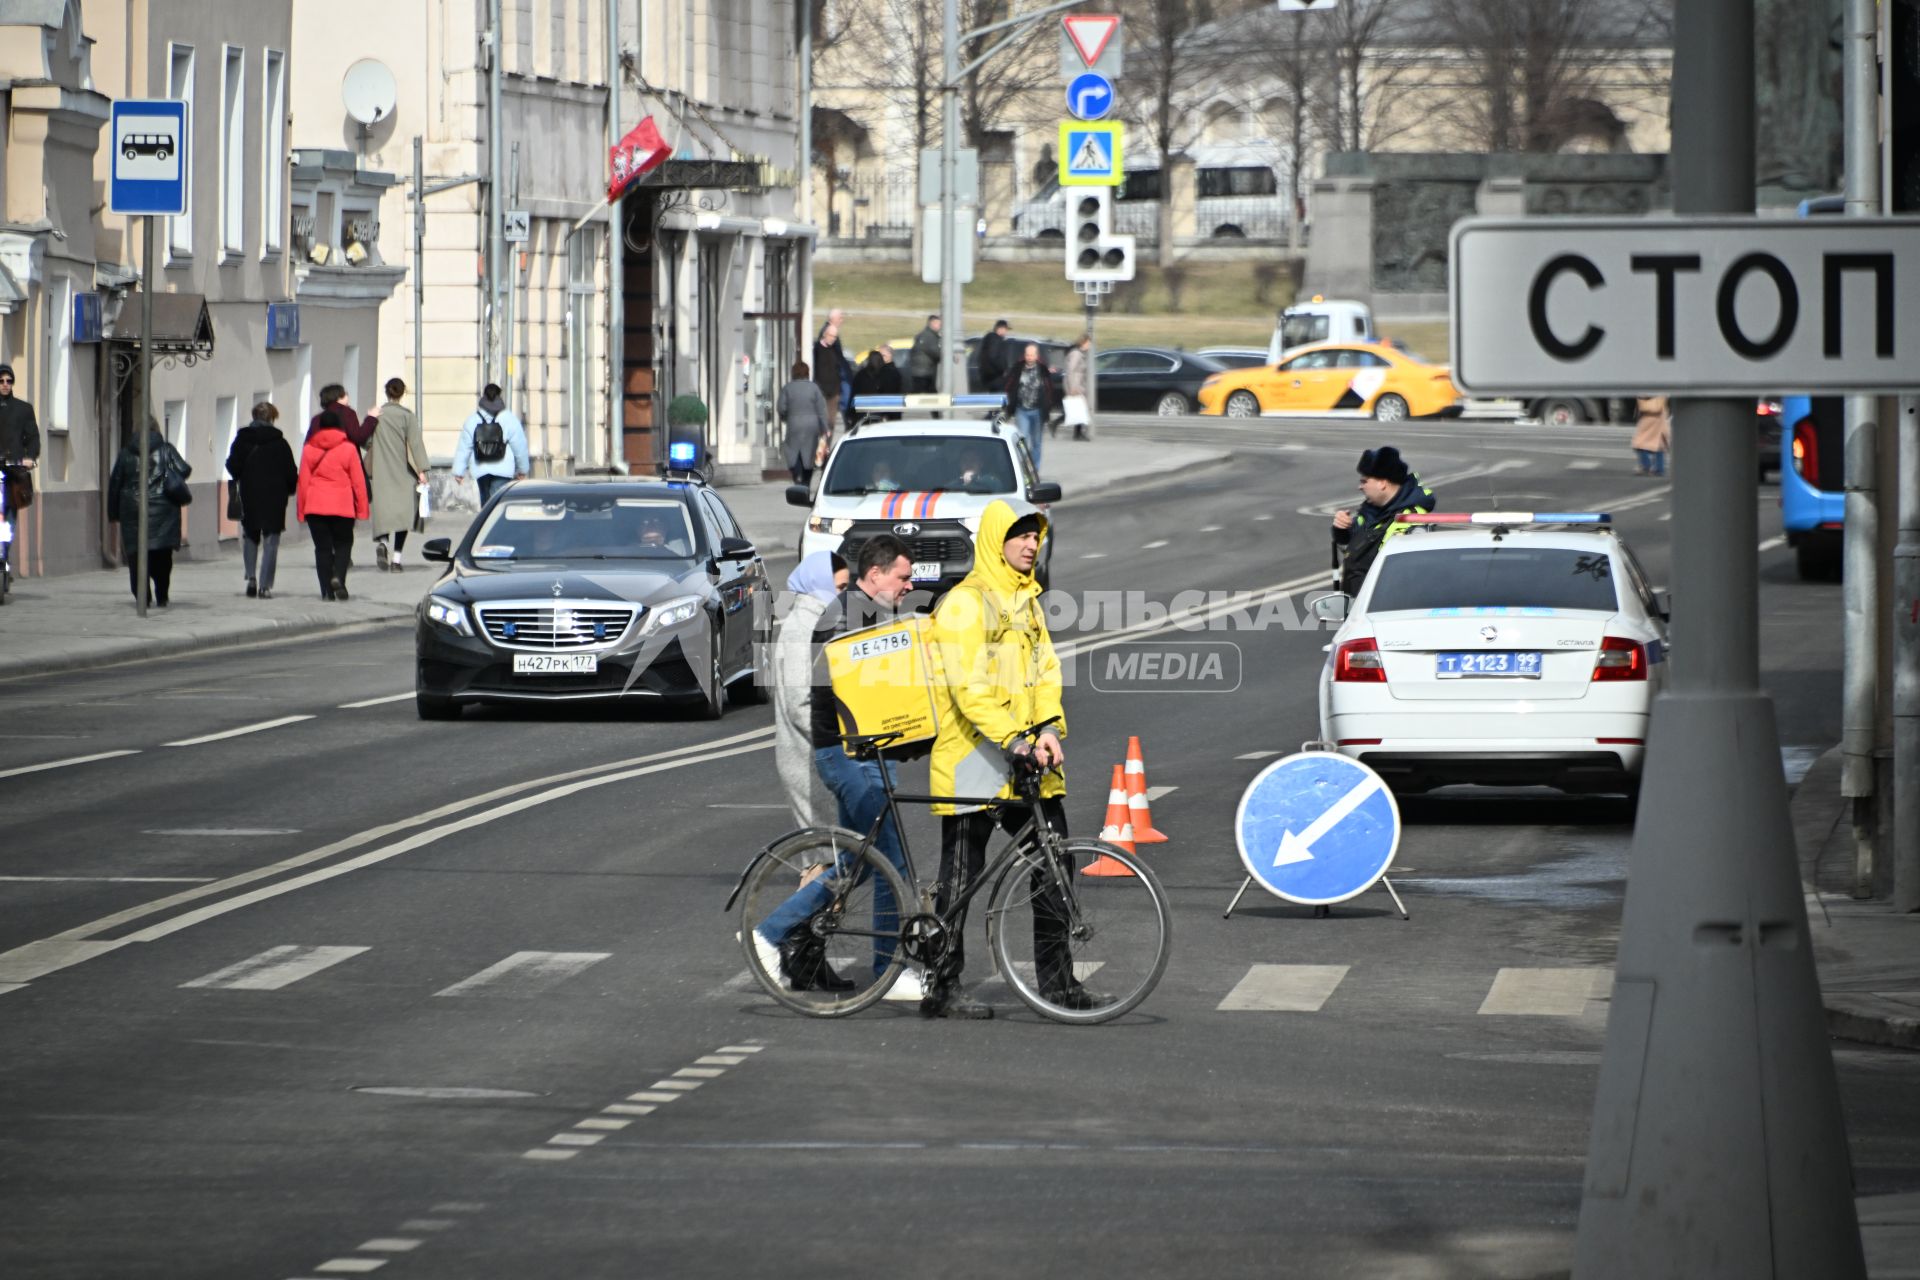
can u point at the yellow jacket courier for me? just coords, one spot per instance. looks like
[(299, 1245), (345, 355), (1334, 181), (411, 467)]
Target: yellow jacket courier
[(995, 669)]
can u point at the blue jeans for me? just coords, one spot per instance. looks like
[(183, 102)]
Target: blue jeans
[(857, 787), (1652, 461), (487, 485), (1033, 425)]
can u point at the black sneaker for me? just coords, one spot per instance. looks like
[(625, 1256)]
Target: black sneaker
[(339, 589), (1077, 997), (803, 963), (252, 589), (946, 1001)]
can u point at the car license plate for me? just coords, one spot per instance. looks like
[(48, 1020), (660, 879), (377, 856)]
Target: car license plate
[(1499, 662), (555, 664), (926, 571)]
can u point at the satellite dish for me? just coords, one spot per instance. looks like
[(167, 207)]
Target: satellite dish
[(368, 90)]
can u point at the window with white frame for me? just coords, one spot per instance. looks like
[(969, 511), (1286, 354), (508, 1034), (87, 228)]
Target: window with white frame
[(180, 89), (273, 151), (233, 150)]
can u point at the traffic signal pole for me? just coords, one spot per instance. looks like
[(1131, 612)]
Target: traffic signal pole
[(1718, 1149)]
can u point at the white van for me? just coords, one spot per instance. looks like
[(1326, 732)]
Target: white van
[(1321, 320), (1239, 192)]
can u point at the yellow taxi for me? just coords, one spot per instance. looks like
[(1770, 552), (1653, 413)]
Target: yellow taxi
[(1336, 380)]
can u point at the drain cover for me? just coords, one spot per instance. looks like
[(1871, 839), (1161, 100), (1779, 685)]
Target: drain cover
[(454, 1092)]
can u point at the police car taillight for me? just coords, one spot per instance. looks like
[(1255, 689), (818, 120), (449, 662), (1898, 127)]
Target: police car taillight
[(1359, 661), (1620, 659)]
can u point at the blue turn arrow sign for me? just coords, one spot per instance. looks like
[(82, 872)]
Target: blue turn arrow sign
[(1317, 828), (1090, 95)]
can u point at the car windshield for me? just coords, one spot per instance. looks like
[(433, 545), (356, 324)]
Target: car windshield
[(889, 464), (1505, 576), (585, 527)]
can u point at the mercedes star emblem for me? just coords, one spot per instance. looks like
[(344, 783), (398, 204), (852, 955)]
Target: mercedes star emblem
[(558, 587)]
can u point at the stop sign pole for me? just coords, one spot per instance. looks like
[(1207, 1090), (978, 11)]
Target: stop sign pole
[(1718, 1149)]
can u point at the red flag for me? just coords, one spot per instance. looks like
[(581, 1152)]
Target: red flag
[(640, 152)]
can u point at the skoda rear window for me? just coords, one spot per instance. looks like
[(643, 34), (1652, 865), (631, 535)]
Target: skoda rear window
[(891, 464), (1498, 577)]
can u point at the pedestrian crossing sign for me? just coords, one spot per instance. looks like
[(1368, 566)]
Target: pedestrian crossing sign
[(1090, 153)]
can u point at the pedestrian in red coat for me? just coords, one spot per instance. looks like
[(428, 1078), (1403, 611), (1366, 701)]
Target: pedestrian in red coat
[(332, 495)]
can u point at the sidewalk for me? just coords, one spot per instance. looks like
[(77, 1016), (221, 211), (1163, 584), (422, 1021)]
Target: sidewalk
[(1868, 955), (88, 620)]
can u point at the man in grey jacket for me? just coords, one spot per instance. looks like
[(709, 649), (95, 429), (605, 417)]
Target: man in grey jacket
[(923, 364)]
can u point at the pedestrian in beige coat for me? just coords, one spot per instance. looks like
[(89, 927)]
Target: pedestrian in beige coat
[(396, 465), (1652, 434)]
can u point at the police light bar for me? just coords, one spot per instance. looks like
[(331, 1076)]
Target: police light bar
[(681, 453), (1508, 518), (928, 400)]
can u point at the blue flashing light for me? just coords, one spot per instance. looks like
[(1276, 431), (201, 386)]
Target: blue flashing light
[(682, 453), (879, 402), (979, 400), (1572, 517)]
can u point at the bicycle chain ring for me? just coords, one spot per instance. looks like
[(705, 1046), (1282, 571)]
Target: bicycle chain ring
[(924, 939)]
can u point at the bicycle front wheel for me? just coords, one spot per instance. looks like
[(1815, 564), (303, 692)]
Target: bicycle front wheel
[(820, 920), (1079, 947)]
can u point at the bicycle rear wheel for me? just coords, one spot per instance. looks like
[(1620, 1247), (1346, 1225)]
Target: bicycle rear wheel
[(836, 950), (1115, 931)]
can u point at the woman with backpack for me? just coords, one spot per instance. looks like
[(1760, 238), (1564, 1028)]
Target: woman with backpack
[(167, 492), (333, 494), (493, 445)]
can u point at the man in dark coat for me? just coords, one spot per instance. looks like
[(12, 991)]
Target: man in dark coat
[(923, 362), (830, 365), (993, 358), (262, 462), (1390, 489), (19, 439)]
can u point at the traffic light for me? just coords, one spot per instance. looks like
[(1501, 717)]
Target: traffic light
[(1094, 252)]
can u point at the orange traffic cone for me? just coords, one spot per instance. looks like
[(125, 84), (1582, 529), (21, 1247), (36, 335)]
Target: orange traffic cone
[(1143, 832), (1117, 831)]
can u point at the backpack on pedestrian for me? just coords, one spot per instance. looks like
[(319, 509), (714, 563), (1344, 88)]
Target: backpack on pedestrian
[(489, 439)]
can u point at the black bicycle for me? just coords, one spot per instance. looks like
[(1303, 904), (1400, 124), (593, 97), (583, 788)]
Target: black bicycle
[(1060, 911)]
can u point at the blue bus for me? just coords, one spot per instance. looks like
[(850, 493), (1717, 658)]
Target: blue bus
[(1813, 463)]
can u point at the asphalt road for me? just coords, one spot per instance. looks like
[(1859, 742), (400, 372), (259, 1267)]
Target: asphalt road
[(354, 993)]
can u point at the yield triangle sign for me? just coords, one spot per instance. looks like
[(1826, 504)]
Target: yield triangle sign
[(1090, 33)]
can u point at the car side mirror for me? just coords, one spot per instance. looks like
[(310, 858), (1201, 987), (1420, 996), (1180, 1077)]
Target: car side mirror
[(438, 549), (797, 496), (735, 549), (1045, 491), (1331, 608)]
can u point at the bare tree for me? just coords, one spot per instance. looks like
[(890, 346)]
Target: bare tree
[(1532, 70), (1290, 70), (1367, 49)]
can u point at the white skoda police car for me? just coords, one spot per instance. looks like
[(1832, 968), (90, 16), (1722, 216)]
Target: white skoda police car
[(1499, 648), (923, 479)]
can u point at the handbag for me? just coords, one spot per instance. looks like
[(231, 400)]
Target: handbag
[(1074, 408), (423, 506), (233, 500), (173, 487)]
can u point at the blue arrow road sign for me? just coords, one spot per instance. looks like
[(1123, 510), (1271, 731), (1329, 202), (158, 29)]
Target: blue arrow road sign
[(1317, 828), (1090, 96), (150, 170)]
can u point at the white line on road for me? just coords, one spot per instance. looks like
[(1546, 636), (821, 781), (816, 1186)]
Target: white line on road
[(235, 733), (1778, 540), (1212, 528), (1156, 794), (61, 764), (1285, 988), (526, 973), (107, 879), (1155, 545), (222, 831), (274, 968), (1545, 993), (1583, 464), (1094, 555), (1259, 755), (376, 702), (388, 1244)]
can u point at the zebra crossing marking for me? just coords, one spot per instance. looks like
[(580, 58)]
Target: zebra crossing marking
[(1285, 988), (526, 973), (1544, 993), (274, 968)]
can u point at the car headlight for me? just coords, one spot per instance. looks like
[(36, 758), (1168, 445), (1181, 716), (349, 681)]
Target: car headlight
[(443, 612), (671, 614), (829, 524)]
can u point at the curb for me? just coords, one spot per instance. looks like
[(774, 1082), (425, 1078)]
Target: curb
[(1858, 1017), (179, 646)]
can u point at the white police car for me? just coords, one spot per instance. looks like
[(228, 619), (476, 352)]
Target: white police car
[(1500, 648), (923, 479)]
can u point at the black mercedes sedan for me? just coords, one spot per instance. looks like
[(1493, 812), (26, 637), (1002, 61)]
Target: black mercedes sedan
[(1151, 379), (593, 590)]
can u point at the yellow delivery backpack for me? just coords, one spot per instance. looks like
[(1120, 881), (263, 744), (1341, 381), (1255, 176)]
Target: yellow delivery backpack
[(883, 683)]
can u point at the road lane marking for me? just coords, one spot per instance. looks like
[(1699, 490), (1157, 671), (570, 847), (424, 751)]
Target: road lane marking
[(37, 959), (740, 1048), (599, 1122), (681, 1086), (1285, 988), (700, 1073), (1544, 993), (576, 1139), (376, 702), (1583, 464), (526, 973), (1778, 540), (222, 831), (1258, 755), (274, 968), (107, 879), (1211, 528), (649, 1095), (352, 1266), (1155, 545), (1094, 555), (548, 1153), (426, 1224), (235, 733), (62, 764), (1156, 794), (388, 1244), (628, 1109), (720, 1060)]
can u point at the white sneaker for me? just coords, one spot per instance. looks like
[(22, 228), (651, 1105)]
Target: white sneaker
[(909, 986), (769, 957)]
